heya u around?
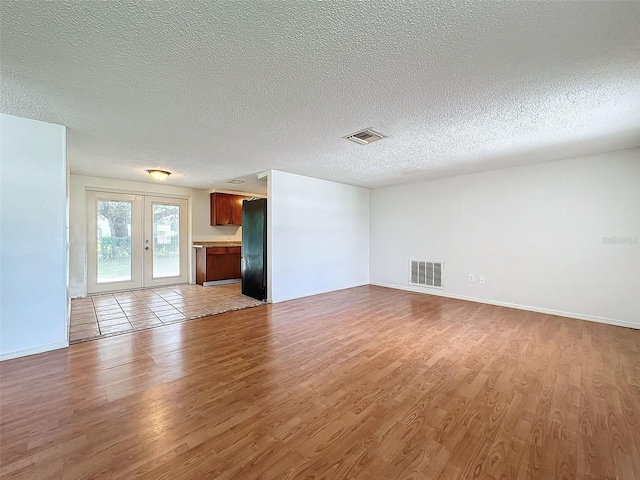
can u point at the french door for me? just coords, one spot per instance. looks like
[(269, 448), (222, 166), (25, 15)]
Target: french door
[(135, 241)]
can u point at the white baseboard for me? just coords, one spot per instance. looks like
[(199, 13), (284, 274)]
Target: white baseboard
[(286, 299), (578, 316), (33, 350), (222, 282)]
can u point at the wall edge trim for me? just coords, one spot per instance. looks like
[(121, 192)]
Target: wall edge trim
[(33, 350), (548, 311), (359, 284)]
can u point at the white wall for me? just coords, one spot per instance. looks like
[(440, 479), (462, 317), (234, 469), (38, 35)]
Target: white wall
[(200, 229), (33, 240), (536, 233), (318, 236)]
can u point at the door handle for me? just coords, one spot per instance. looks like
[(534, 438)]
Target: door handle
[(146, 248)]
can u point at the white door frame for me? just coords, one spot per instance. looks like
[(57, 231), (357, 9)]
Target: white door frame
[(92, 252), (142, 275), (183, 277)]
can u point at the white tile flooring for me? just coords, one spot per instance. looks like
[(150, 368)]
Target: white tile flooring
[(103, 315)]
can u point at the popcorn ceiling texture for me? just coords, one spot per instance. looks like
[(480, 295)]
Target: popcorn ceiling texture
[(219, 90)]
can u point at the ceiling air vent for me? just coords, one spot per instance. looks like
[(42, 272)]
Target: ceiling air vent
[(365, 137), (424, 273)]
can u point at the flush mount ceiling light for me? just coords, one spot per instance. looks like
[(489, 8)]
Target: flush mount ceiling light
[(159, 174), (365, 137), (235, 182)]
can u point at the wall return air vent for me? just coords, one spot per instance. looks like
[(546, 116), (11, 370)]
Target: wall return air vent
[(425, 273), (365, 137)]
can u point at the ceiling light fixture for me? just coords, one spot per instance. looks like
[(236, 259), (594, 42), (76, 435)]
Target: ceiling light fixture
[(159, 174)]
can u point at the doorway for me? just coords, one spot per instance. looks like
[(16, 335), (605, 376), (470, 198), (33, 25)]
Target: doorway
[(135, 241)]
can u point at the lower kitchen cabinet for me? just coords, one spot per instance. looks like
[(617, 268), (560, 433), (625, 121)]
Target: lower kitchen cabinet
[(217, 263)]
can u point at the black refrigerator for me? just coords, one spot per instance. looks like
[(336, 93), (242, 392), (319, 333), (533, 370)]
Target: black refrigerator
[(254, 248)]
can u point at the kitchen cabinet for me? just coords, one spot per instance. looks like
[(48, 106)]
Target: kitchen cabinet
[(226, 209), (217, 263)]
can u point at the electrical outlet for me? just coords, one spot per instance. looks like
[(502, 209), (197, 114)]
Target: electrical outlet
[(471, 278), (482, 280)]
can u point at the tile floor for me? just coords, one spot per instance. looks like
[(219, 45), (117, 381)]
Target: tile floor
[(103, 315)]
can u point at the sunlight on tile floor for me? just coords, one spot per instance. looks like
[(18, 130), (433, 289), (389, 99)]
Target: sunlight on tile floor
[(108, 314)]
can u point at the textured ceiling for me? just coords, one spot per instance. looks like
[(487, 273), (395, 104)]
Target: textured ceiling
[(219, 90)]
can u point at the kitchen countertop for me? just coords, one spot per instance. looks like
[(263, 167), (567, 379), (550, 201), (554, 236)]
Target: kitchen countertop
[(216, 244)]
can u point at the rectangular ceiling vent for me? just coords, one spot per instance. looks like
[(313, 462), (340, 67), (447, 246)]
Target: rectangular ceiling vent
[(365, 137), (425, 273)]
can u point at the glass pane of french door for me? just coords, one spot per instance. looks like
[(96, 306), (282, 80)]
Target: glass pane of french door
[(166, 240), (166, 250), (114, 241), (115, 218)]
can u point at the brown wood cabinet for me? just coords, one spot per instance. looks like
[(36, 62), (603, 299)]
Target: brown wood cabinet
[(217, 263), (226, 209)]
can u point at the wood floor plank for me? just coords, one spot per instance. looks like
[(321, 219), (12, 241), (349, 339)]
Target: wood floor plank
[(367, 383)]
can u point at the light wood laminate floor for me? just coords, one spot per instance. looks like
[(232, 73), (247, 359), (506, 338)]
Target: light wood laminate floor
[(366, 383)]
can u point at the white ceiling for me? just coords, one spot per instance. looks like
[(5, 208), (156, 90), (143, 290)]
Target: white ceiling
[(219, 90)]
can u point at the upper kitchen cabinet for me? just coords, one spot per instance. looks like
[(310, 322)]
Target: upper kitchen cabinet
[(226, 209)]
